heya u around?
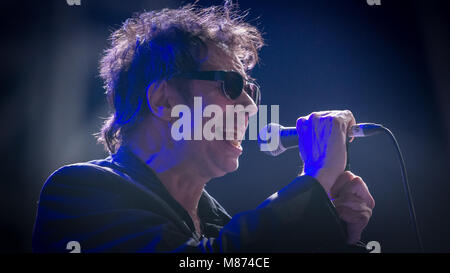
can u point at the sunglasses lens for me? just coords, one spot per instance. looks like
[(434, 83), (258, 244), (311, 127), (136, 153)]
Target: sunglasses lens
[(233, 84)]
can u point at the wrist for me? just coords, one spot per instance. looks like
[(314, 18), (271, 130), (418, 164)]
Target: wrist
[(323, 177)]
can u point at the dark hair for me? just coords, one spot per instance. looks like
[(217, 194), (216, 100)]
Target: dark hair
[(152, 46)]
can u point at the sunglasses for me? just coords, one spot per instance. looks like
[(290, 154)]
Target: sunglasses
[(232, 83)]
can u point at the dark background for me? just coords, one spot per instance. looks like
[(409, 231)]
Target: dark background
[(389, 64)]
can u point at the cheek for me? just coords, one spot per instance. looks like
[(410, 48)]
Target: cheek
[(214, 152), (220, 103), (216, 98)]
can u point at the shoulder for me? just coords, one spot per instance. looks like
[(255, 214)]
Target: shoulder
[(82, 168), (85, 175)]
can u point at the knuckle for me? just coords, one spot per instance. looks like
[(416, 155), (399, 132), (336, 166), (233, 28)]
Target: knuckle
[(347, 113), (371, 202), (327, 119), (336, 120), (300, 122), (358, 180), (347, 176), (349, 116), (313, 116)]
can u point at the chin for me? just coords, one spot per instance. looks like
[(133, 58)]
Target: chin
[(227, 167), (231, 166)]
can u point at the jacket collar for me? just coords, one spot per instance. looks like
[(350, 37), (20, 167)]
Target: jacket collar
[(209, 210)]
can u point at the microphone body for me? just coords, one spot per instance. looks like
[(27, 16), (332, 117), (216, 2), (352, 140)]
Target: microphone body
[(287, 137)]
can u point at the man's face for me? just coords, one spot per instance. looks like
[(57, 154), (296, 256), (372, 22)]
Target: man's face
[(218, 157)]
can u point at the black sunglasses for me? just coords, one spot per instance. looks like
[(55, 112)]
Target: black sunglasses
[(232, 83)]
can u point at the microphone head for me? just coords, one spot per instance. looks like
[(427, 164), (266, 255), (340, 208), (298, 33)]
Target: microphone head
[(269, 139)]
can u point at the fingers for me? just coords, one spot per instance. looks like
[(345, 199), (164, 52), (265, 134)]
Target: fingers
[(351, 121), (343, 179), (354, 212), (360, 189), (350, 183), (343, 115), (322, 142), (356, 204), (344, 119), (353, 203), (320, 126), (350, 217), (347, 118)]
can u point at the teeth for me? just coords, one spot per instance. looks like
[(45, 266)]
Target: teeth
[(235, 143)]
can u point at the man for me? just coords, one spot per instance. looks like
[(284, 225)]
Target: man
[(149, 196)]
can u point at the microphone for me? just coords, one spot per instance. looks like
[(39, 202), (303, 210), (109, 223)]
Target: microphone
[(275, 139)]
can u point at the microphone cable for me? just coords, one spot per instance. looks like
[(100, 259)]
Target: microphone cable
[(289, 136), (412, 212)]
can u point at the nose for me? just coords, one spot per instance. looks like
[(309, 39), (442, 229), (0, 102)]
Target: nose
[(245, 100)]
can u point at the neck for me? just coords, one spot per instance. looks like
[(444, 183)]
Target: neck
[(181, 177)]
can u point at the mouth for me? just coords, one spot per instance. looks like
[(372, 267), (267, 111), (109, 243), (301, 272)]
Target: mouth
[(233, 138), (235, 145)]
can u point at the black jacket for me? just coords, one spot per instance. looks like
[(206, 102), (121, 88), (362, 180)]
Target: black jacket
[(119, 205)]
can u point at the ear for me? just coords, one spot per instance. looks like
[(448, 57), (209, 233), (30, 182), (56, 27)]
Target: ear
[(160, 99)]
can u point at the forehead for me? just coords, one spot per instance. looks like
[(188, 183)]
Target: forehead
[(219, 59)]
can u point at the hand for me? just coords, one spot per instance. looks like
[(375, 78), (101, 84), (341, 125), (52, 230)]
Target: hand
[(322, 144), (354, 204)]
